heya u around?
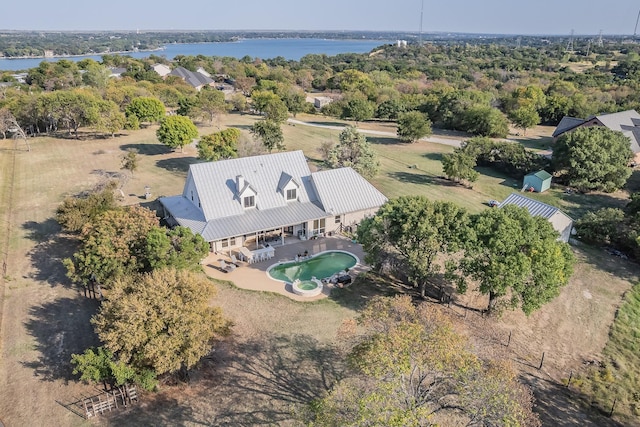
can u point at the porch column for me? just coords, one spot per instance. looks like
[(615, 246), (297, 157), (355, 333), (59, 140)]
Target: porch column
[(282, 234)]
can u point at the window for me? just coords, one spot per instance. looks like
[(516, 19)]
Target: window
[(249, 201), (225, 243), (192, 195), (232, 241), (292, 194), (318, 226), (337, 219)]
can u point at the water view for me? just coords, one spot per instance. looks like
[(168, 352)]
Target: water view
[(293, 49)]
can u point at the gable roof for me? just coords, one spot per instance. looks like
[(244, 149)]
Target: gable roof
[(217, 188), (627, 122), (345, 190), (194, 79), (567, 123), (534, 207), (542, 174)]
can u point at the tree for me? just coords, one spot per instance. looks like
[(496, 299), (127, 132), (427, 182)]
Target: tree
[(112, 246), (130, 160), (353, 150), (593, 158), (357, 108), (270, 105), (601, 227), (410, 368), (485, 120), (460, 165), (110, 118), (177, 131), (177, 248), (161, 321), (76, 212), (417, 231), (219, 145), (295, 100), (516, 258), (98, 365), (524, 117), (270, 133), (146, 109), (412, 126), (209, 103)]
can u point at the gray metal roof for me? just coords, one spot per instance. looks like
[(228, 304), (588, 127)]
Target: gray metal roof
[(254, 220), (534, 207), (627, 122), (567, 123), (345, 190), (194, 79), (185, 212), (216, 182)]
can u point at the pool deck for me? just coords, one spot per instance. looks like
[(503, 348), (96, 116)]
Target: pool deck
[(254, 276)]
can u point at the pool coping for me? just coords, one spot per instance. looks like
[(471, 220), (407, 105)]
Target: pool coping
[(310, 257)]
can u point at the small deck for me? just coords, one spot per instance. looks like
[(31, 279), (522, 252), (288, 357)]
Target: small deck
[(254, 276)]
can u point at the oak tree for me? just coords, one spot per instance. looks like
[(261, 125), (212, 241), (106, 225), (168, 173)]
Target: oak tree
[(355, 151), (412, 126), (177, 131)]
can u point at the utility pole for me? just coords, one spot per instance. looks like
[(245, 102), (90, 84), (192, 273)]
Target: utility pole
[(635, 30), (570, 44), (421, 15)]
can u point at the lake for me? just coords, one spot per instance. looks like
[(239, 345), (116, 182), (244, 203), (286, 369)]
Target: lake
[(293, 49)]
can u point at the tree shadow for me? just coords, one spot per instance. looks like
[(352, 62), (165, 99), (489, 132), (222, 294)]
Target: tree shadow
[(385, 140), (560, 406), (421, 179), (369, 285), (255, 382), (60, 328), (433, 156), (240, 126), (178, 165), (47, 255), (147, 149)]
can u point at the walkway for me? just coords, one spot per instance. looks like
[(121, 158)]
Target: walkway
[(254, 277)]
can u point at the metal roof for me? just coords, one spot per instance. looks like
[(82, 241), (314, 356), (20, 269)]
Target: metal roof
[(627, 122), (254, 220), (543, 175), (216, 182), (567, 123), (194, 79), (534, 207), (345, 190), (185, 212)]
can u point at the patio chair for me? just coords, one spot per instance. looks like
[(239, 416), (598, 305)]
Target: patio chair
[(234, 259), (227, 267)]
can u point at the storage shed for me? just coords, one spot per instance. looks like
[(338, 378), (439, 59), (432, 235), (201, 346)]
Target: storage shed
[(540, 181), (560, 221)]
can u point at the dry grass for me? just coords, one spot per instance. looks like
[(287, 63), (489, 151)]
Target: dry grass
[(281, 354)]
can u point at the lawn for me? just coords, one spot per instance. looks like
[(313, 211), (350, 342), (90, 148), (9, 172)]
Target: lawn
[(282, 353)]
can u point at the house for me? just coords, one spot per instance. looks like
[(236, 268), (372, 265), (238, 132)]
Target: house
[(627, 122), (237, 202), (203, 72), (537, 181), (560, 221), (197, 80), (161, 69), (321, 101), (116, 72)]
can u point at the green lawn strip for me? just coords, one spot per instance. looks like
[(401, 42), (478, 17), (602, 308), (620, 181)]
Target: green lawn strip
[(617, 378)]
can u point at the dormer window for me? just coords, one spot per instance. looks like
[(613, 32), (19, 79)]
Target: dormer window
[(292, 194), (249, 201)]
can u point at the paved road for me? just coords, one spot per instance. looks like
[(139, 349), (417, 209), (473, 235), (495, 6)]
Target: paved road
[(435, 139)]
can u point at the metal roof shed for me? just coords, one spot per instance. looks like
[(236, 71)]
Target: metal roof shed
[(560, 221), (540, 181)]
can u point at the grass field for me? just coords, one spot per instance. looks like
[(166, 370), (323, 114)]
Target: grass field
[(282, 352)]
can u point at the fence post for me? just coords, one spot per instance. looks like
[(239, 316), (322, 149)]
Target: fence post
[(570, 376), (541, 361), (509, 340), (613, 407)]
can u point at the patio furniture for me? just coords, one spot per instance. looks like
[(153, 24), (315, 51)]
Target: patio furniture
[(227, 267), (234, 259)]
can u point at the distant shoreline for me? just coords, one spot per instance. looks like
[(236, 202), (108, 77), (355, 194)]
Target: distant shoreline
[(121, 52)]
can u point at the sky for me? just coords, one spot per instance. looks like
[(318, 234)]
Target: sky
[(556, 17)]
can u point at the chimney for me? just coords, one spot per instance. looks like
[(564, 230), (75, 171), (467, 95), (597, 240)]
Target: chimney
[(239, 183)]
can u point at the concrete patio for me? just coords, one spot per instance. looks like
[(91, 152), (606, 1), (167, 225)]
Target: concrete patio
[(254, 276)]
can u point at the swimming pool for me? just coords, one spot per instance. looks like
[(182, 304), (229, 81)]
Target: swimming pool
[(324, 264)]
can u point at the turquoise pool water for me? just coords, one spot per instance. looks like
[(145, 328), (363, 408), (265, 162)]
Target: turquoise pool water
[(324, 265)]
